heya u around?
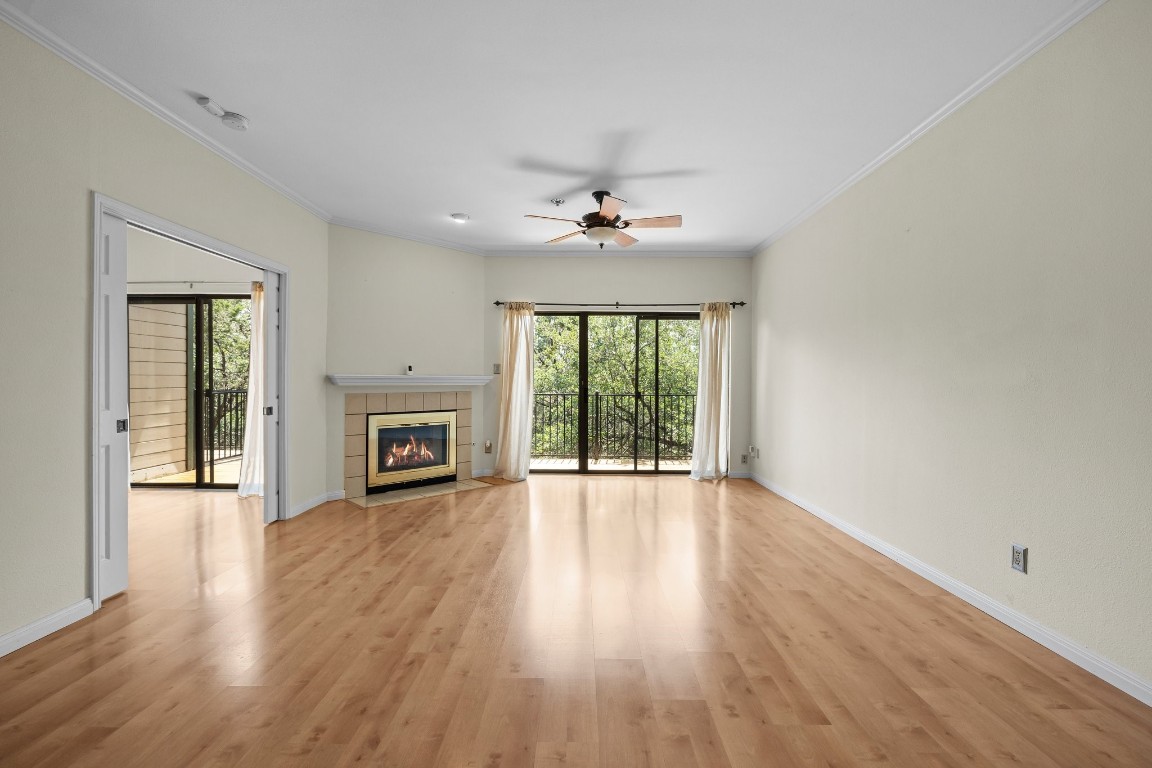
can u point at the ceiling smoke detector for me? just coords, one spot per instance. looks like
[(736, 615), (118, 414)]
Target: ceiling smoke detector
[(459, 218), (233, 120), (210, 106)]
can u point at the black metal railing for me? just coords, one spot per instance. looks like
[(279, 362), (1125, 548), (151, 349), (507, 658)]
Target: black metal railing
[(226, 411), (620, 426), (555, 425)]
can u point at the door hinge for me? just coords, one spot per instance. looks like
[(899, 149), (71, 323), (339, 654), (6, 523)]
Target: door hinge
[(121, 425)]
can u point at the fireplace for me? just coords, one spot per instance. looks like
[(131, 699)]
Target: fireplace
[(410, 449)]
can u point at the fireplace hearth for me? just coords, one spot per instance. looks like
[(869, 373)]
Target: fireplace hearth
[(410, 449)]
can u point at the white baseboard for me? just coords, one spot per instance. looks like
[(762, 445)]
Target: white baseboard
[(1082, 657), (314, 502), (30, 633), (742, 475), (482, 473)]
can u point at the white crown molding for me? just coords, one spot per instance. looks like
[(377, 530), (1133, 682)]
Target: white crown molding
[(35, 31), (364, 226), (52, 42), (661, 254), (1086, 659), (41, 628), (403, 380), (1019, 56)]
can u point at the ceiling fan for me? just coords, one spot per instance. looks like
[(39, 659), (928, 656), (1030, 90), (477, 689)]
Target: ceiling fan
[(605, 225)]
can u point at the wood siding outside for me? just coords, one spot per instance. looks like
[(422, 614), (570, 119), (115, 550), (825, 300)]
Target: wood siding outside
[(158, 389)]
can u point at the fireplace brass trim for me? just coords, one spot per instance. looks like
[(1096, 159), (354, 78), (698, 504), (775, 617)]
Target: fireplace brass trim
[(377, 479)]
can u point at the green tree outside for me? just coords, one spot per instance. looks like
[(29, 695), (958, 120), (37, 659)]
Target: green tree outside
[(231, 342)]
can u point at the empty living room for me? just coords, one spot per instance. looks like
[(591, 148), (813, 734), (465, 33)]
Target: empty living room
[(734, 385)]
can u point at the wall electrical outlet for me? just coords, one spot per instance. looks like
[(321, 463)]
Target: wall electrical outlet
[(495, 369), (743, 458), (487, 446), (1020, 558)]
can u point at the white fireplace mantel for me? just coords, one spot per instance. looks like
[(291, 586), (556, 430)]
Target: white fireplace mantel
[(404, 380)]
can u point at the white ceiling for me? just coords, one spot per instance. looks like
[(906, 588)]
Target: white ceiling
[(742, 115)]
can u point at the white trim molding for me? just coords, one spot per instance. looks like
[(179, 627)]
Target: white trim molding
[(315, 501), (41, 628), (374, 380), (1082, 657)]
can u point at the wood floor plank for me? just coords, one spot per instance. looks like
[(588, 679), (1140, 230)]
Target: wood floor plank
[(627, 728), (565, 622)]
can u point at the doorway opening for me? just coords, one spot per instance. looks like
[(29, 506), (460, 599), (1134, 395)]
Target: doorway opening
[(185, 279), (615, 392)]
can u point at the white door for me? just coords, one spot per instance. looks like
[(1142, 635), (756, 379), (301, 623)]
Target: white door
[(273, 502), (110, 465)]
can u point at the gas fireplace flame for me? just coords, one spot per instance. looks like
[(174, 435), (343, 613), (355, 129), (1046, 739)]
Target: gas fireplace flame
[(409, 454)]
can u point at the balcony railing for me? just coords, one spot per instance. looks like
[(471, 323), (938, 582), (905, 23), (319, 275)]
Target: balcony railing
[(226, 411), (619, 426)]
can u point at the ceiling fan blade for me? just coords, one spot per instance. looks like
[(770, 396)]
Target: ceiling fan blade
[(565, 237), (610, 207), (654, 221), (551, 218), (624, 239)]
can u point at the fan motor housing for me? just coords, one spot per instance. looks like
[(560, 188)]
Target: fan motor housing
[(594, 219)]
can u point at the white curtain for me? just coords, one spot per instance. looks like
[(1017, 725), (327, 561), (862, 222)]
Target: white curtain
[(252, 460), (514, 451), (710, 438)]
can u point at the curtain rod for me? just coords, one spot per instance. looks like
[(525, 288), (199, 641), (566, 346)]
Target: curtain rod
[(615, 304), (189, 282)]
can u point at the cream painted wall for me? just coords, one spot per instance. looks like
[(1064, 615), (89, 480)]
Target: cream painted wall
[(394, 303), (621, 278), (64, 136), (955, 354), (154, 262)]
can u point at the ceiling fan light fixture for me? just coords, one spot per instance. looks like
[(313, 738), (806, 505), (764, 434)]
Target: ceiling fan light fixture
[(601, 235), (605, 225)]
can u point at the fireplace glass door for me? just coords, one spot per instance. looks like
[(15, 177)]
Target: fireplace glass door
[(406, 449)]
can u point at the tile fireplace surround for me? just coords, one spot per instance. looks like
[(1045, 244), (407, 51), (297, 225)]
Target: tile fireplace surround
[(357, 406)]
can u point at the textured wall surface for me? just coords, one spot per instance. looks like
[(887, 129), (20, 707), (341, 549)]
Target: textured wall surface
[(955, 354), (64, 137)]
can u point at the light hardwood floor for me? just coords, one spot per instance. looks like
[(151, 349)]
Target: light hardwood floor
[(567, 621)]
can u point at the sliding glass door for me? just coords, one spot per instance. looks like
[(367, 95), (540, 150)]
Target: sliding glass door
[(188, 389), (615, 392)]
